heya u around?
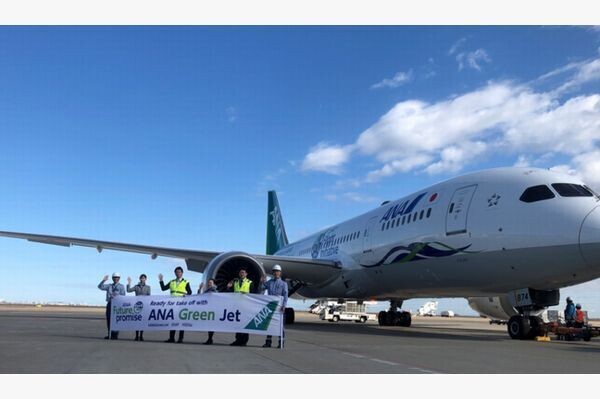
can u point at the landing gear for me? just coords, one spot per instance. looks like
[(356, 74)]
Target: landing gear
[(529, 304), (394, 317), (525, 327)]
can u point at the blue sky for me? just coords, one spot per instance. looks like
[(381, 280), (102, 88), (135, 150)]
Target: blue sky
[(172, 135)]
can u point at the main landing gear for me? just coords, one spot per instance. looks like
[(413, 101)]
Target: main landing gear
[(393, 316), (530, 304), (525, 327)]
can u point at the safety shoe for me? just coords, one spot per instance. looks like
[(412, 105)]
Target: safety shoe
[(170, 341), (180, 341), (141, 339), (267, 345), (234, 343), (209, 342)]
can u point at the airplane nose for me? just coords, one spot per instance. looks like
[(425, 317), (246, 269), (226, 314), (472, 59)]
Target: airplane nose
[(589, 238)]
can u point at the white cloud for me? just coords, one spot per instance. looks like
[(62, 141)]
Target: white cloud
[(399, 79), (326, 158), (351, 196), (457, 45), (232, 114), (500, 117), (472, 59)]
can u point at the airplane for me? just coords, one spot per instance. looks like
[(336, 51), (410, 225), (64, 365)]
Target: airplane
[(516, 234)]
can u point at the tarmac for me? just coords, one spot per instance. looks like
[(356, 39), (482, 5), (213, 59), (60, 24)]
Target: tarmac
[(71, 340)]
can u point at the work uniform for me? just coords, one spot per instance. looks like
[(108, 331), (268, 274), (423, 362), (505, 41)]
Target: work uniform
[(242, 287), (579, 318), (140, 290), (280, 288), (177, 288), (570, 313), (112, 291)]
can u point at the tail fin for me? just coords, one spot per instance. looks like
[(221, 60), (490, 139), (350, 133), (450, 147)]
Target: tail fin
[(276, 237)]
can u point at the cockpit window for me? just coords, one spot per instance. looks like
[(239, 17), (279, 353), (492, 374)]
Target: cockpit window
[(593, 192), (572, 190), (536, 193)]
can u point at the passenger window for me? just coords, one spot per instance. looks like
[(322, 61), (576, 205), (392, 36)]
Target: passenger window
[(358, 235), (408, 219), (536, 193), (451, 208), (403, 219), (415, 217), (382, 227), (571, 190), (428, 212), (421, 215)]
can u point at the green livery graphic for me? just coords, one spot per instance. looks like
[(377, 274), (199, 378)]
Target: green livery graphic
[(262, 320)]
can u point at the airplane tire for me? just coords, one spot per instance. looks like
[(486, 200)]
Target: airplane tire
[(406, 319), (537, 327), (519, 327), (381, 318), (290, 316)]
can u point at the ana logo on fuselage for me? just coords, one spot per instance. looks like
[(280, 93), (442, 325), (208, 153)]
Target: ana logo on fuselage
[(403, 208)]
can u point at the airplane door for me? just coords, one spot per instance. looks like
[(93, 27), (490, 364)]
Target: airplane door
[(456, 218), (368, 254)]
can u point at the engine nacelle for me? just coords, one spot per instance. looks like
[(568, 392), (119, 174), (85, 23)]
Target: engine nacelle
[(497, 308), (225, 267)]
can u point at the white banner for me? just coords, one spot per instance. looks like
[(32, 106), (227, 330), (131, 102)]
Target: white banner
[(225, 312)]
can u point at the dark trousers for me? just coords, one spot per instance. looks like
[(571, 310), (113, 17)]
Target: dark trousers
[(172, 335), (111, 334), (139, 334), (242, 338), (210, 335)]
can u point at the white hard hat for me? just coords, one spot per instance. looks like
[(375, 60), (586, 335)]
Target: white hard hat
[(116, 274), (276, 267)]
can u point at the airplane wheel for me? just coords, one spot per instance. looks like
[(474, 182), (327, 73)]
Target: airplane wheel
[(538, 329), (518, 327), (381, 318), (290, 316), (405, 319)]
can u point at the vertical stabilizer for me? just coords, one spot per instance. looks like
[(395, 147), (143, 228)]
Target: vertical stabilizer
[(276, 237)]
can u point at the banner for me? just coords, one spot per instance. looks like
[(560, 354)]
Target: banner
[(224, 312)]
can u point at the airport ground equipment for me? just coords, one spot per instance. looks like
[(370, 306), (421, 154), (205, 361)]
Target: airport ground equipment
[(428, 309), (565, 333), (348, 311), (447, 313)]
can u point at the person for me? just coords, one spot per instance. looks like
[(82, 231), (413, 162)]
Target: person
[(140, 289), (569, 312), (112, 291), (579, 316), (275, 286), (210, 287), (241, 285), (178, 287)]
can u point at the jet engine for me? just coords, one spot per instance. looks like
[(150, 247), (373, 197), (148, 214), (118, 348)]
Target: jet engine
[(497, 308), (225, 267)]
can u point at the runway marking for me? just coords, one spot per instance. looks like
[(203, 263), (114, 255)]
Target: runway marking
[(384, 362), (354, 355), (423, 370)]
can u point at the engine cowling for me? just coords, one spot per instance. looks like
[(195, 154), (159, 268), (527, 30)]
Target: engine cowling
[(225, 267), (497, 308)]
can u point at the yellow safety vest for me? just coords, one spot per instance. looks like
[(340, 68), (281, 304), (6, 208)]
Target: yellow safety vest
[(244, 287), (178, 289)]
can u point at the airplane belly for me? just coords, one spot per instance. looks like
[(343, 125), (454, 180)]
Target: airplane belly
[(481, 274)]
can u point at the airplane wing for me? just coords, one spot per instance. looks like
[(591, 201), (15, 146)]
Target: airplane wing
[(308, 271)]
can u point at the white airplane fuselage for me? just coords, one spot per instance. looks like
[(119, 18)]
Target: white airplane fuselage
[(467, 236)]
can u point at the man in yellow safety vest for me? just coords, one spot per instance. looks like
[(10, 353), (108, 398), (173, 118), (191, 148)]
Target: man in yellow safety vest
[(178, 287), (241, 285)]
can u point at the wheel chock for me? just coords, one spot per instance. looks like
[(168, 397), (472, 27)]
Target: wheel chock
[(543, 339)]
